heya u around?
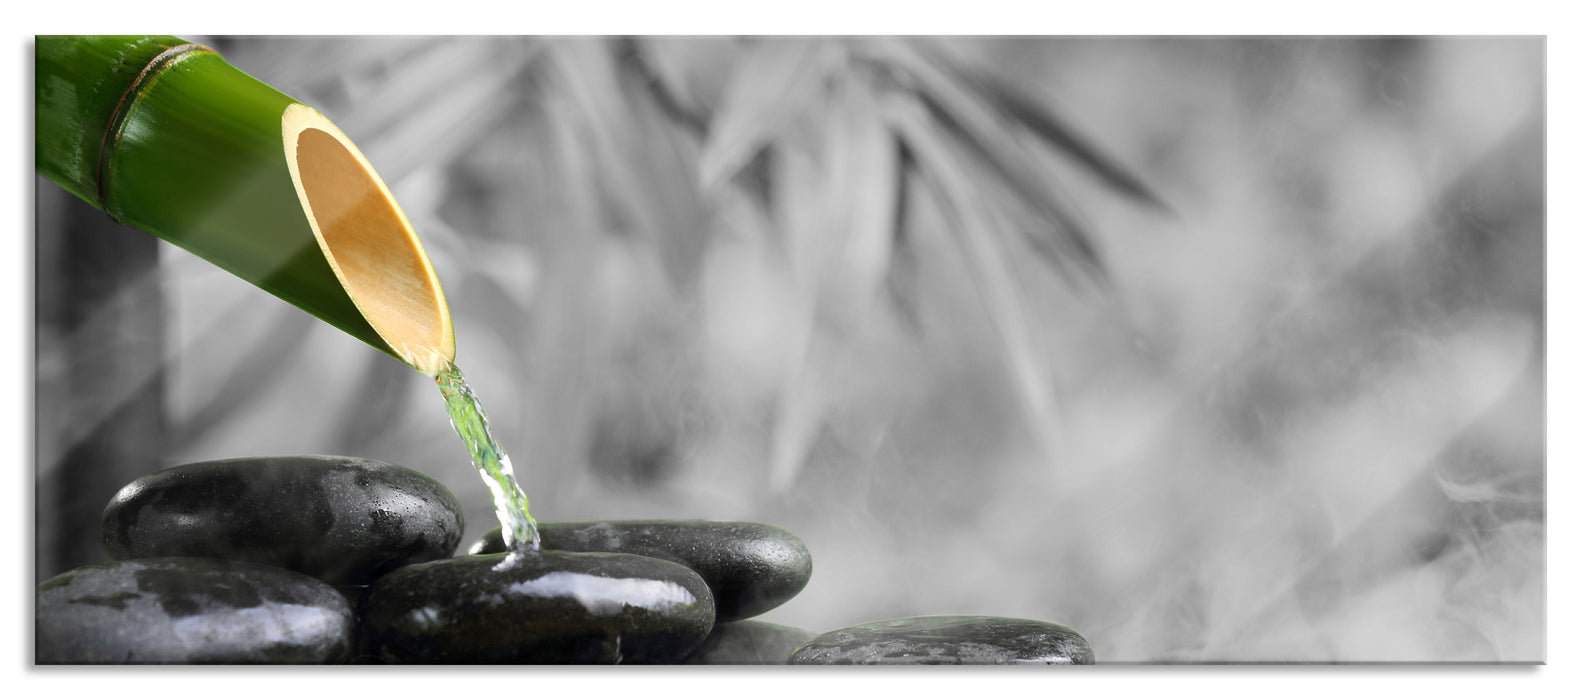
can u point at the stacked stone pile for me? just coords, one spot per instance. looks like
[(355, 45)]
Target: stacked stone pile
[(324, 560)]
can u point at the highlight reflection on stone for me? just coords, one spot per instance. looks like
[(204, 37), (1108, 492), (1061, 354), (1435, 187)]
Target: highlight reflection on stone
[(543, 607), (751, 567), (182, 610)]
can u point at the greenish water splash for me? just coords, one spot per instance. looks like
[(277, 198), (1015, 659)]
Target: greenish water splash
[(494, 465)]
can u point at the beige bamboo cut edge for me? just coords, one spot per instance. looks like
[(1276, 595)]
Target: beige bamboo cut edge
[(368, 241)]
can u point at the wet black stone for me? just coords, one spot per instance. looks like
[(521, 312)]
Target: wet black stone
[(749, 642), (357, 597), (340, 519), (948, 639), (180, 610), (546, 607), (751, 567)]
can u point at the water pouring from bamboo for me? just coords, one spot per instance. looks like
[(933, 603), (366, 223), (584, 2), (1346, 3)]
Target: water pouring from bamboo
[(165, 135)]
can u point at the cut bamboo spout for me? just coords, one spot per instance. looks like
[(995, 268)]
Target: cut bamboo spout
[(367, 241), (165, 135)]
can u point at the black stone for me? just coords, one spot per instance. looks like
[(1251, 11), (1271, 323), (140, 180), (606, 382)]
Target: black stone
[(539, 607), (749, 642), (180, 610), (357, 597), (343, 520), (948, 639), (751, 568)]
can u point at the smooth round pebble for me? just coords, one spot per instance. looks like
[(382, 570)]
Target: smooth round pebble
[(751, 567), (539, 607), (948, 639), (749, 642), (343, 520), (182, 610)]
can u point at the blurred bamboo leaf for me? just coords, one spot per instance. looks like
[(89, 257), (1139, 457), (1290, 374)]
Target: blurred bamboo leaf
[(583, 72), (634, 154), (406, 80), (295, 65), (862, 185), (1026, 112), (961, 112), (653, 84), (979, 228), (406, 123), (900, 285), (799, 416), (838, 173), (690, 72), (770, 86), (675, 217), (802, 219)]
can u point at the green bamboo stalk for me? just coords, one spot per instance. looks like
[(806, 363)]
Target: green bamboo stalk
[(166, 136)]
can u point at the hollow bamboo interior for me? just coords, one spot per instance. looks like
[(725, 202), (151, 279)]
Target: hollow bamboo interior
[(367, 240)]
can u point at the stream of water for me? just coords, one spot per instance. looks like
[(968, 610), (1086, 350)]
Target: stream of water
[(494, 465)]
